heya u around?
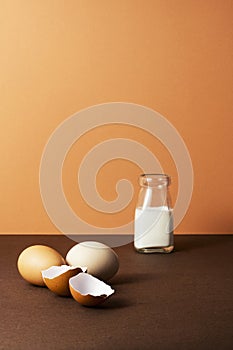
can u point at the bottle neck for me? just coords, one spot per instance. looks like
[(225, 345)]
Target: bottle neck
[(154, 191), (154, 180)]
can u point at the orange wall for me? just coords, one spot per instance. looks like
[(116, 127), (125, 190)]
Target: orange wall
[(58, 57)]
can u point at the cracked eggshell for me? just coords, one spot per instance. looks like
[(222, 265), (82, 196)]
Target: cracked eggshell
[(57, 278), (101, 261), (36, 258), (88, 290)]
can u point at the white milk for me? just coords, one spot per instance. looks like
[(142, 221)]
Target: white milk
[(153, 227)]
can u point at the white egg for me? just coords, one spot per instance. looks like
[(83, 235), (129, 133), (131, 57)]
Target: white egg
[(101, 261)]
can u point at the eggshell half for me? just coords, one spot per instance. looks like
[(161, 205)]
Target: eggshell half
[(88, 290), (57, 278), (101, 261), (36, 258)]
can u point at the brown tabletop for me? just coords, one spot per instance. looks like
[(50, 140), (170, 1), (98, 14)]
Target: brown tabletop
[(181, 300)]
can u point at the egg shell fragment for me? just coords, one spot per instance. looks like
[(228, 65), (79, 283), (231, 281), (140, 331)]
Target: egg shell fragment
[(36, 258), (101, 261), (57, 278), (88, 290)]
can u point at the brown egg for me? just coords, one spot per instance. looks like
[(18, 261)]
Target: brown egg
[(57, 278), (89, 290), (36, 258)]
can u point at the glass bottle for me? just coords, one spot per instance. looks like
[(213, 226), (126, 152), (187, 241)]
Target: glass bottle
[(153, 224)]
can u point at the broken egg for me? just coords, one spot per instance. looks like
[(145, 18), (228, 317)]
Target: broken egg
[(57, 278), (36, 258), (101, 261), (89, 290)]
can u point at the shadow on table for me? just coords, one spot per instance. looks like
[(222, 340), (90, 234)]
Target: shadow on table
[(126, 278), (115, 303), (193, 242)]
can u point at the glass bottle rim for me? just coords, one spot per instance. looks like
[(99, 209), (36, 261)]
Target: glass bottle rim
[(154, 179)]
